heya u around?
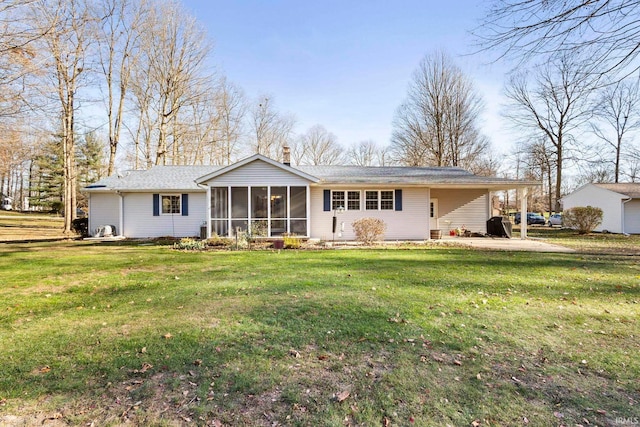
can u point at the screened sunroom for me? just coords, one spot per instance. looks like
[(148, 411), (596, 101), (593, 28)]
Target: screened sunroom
[(262, 211)]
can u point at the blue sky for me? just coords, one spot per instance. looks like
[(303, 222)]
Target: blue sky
[(345, 64)]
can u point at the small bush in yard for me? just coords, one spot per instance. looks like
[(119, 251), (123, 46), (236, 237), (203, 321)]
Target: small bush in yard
[(217, 241), (368, 230), (291, 241), (81, 226), (190, 244), (583, 219)]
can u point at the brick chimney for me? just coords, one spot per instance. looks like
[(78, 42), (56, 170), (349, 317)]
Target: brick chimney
[(286, 155)]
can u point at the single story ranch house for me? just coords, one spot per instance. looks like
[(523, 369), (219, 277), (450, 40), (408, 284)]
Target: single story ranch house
[(259, 193)]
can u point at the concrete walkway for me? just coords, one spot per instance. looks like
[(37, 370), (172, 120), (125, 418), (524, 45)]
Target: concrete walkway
[(504, 244)]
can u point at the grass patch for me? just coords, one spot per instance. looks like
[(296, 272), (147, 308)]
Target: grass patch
[(118, 333), (17, 226), (593, 243)]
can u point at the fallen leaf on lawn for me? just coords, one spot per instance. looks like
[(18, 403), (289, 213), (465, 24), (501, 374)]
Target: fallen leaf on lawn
[(197, 362), (294, 353), (438, 359), (601, 412), (386, 422), (342, 396), (45, 369), (457, 362), (146, 367), (55, 416), (475, 423), (323, 357), (167, 335)]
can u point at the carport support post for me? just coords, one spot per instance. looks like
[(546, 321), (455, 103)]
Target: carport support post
[(523, 192)]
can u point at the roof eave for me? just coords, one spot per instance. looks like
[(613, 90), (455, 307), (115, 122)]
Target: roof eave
[(251, 159), (146, 190)]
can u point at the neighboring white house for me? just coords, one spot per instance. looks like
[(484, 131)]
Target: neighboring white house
[(620, 204), (6, 203), (261, 193)]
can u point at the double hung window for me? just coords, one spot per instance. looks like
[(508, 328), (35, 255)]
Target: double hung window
[(379, 200)]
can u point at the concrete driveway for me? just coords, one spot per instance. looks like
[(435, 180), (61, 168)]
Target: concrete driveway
[(504, 244)]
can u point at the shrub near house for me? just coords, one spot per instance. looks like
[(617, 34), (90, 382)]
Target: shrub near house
[(583, 219)]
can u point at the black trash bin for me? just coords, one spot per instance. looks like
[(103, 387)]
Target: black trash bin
[(499, 226)]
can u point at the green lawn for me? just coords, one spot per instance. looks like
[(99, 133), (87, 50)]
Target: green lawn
[(427, 337)]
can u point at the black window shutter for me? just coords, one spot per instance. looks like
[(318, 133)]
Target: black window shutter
[(327, 200), (398, 200), (156, 205), (185, 205)]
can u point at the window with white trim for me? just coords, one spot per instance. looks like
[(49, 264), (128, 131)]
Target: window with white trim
[(171, 204), (348, 200), (379, 200), (337, 200), (353, 200)]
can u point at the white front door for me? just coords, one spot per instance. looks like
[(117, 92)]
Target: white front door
[(433, 214)]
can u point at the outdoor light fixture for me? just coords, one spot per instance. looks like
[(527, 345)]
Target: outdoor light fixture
[(336, 211)]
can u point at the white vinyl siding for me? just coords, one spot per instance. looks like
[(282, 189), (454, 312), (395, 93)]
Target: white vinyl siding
[(103, 210), (462, 208), (471, 216), (140, 222), (609, 201), (411, 223), (257, 174)]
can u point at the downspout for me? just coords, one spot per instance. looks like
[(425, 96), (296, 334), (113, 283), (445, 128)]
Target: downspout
[(120, 230), (624, 202)]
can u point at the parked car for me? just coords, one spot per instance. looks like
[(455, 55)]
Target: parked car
[(555, 219), (532, 218)]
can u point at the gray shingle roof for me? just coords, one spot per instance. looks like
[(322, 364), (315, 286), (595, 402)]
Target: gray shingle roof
[(629, 189), (182, 178), (398, 175), (175, 178)]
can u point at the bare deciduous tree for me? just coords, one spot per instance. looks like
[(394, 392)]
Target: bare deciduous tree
[(174, 52), (555, 107), (118, 37), (317, 146), (231, 109), (606, 29), (437, 124), (368, 153), (270, 130), (68, 43), (363, 153), (618, 108)]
